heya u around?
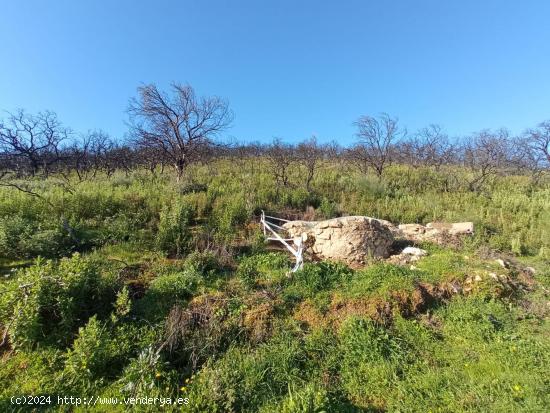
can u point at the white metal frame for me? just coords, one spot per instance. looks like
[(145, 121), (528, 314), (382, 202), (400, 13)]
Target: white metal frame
[(297, 247)]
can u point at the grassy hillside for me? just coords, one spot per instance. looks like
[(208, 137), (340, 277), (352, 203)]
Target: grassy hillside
[(135, 286)]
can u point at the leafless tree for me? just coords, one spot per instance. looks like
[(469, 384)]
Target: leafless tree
[(376, 136), (433, 147), (100, 151), (359, 156), (87, 155), (280, 156), (308, 154), (179, 125), (485, 153), (33, 141), (539, 141), (248, 155), (77, 158), (531, 151)]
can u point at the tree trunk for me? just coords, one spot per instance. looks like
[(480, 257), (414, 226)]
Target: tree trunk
[(180, 169)]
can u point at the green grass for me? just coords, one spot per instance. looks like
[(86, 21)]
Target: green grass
[(158, 262)]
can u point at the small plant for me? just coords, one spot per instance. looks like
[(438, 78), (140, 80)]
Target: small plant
[(174, 232), (307, 399), (49, 301), (123, 305), (145, 376), (89, 356)]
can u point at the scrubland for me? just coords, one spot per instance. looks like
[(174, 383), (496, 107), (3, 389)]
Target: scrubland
[(135, 285)]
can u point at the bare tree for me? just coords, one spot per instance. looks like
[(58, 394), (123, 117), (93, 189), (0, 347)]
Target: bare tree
[(33, 141), (539, 141), (77, 158), (376, 136), (280, 156), (433, 147), (359, 156), (485, 153), (531, 151), (179, 125), (309, 153)]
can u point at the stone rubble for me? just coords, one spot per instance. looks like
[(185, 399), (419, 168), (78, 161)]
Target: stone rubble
[(352, 240), (355, 239), (502, 263), (415, 252), (433, 231)]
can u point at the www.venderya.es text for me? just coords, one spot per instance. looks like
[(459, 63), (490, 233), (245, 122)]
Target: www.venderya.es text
[(96, 400)]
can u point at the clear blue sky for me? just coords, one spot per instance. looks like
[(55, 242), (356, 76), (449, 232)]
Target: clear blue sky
[(289, 68)]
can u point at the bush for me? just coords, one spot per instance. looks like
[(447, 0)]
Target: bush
[(244, 380), (22, 237), (229, 212), (24, 373), (146, 376), (204, 262), (174, 233), (328, 209), (266, 267), (49, 301), (167, 290), (313, 278), (307, 399), (371, 361), (247, 271), (90, 354)]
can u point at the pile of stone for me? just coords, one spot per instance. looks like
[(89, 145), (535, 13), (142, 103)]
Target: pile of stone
[(434, 231), (355, 239), (348, 239)]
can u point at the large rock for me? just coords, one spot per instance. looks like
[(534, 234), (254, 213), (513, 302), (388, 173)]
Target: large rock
[(351, 240), (433, 231)]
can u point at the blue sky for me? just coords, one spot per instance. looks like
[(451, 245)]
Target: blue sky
[(289, 68)]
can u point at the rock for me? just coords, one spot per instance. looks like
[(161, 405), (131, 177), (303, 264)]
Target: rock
[(477, 278), (493, 276), (530, 270), (417, 252), (433, 231), (440, 226), (502, 263), (461, 228), (412, 229), (351, 240)]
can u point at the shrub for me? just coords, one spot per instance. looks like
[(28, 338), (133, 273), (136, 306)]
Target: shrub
[(49, 301), (266, 267), (90, 354), (313, 278), (307, 399), (167, 290), (146, 376), (371, 359), (174, 232), (24, 373), (229, 212), (328, 209), (244, 380), (247, 271), (204, 329), (122, 306), (204, 262), (12, 231), (21, 237)]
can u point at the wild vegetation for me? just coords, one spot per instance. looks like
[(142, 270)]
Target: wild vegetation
[(140, 270)]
